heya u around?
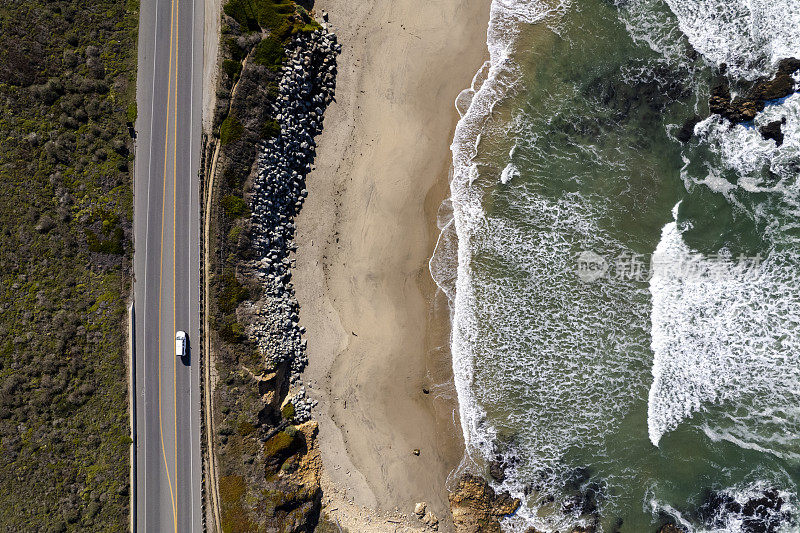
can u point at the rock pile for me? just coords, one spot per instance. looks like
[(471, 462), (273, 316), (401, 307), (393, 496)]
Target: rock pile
[(744, 109), (766, 511), (477, 508), (302, 406), (306, 88), (426, 516)]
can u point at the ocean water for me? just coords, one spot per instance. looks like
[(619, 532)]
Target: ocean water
[(625, 307)]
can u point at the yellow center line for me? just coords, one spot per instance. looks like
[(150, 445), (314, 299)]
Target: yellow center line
[(161, 260), (174, 257)]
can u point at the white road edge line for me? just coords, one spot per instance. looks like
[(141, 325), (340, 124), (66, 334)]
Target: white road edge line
[(189, 277)]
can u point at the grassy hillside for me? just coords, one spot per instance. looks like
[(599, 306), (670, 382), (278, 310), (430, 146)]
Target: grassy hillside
[(67, 71)]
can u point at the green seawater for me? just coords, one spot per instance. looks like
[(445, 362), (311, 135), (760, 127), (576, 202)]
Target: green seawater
[(645, 396)]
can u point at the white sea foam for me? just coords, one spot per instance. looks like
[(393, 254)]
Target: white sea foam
[(750, 36), (735, 341), (725, 336), (728, 327), (510, 172), (725, 520), (489, 86), (650, 22)]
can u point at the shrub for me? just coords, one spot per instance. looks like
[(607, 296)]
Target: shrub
[(112, 244), (270, 129), (231, 331), (245, 428), (270, 53), (232, 490), (232, 293), (234, 207), (243, 12), (230, 130), (131, 113), (232, 68), (253, 15), (234, 49), (280, 444), (233, 235)]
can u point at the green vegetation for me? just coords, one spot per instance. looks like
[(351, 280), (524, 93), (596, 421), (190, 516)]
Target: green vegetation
[(276, 16), (231, 493), (231, 130), (279, 18), (131, 113), (270, 129), (234, 207), (288, 411), (232, 293), (67, 82), (281, 443), (232, 68), (270, 53)]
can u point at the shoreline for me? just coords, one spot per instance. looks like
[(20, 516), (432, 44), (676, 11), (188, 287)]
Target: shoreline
[(364, 239)]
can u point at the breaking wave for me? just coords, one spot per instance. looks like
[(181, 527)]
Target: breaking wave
[(723, 340), (726, 333)]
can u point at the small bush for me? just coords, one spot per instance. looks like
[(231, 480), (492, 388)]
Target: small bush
[(232, 490), (288, 411), (270, 129), (231, 331), (234, 49), (233, 235), (232, 68), (243, 12), (245, 428), (112, 244), (230, 130), (270, 53), (131, 113), (280, 444), (274, 16), (232, 293), (234, 207)]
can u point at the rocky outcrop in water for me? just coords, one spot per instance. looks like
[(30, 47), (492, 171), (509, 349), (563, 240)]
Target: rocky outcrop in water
[(477, 508), (764, 512), (744, 109), (773, 131)]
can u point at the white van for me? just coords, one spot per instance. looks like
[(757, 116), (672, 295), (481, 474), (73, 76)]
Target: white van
[(180, 344)]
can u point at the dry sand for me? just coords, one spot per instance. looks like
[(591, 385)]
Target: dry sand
[(377, 329)]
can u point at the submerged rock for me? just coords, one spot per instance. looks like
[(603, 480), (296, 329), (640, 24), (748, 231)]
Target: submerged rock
[(477, 508), (687, 130), (670, 528)]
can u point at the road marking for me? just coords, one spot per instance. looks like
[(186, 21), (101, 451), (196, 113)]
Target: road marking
[(161, 259), (174, 256), (189, 250)]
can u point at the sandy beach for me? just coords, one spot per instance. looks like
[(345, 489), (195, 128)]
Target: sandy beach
[(376, 327)]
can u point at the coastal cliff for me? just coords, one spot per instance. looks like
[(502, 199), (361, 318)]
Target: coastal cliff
[(278, 71)]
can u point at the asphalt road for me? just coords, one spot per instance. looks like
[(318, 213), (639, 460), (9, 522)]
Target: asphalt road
[(167, 266)]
